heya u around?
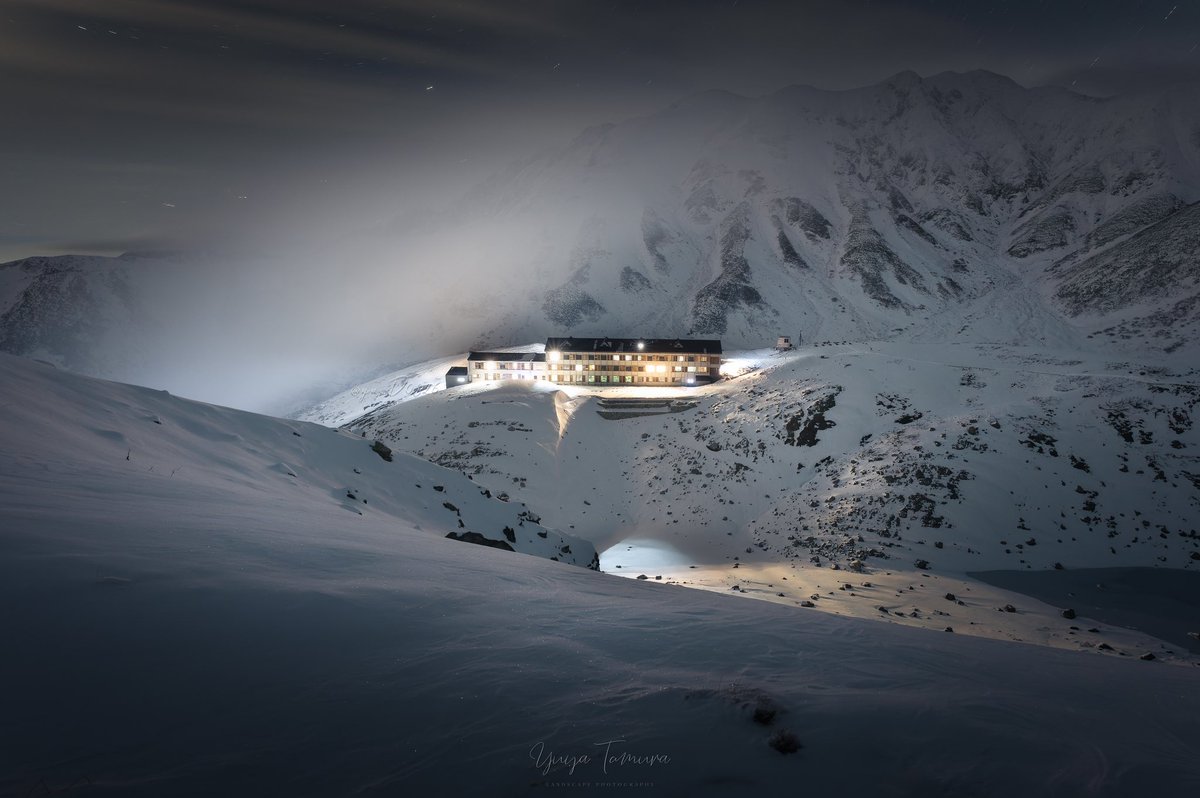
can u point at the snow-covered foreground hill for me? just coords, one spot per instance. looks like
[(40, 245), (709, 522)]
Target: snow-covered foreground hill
[(183, 616), (869, 479)]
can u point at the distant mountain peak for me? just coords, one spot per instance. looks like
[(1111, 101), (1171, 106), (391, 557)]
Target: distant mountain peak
[(960, 205)]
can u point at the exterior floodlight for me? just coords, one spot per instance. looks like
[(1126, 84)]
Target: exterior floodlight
[(641, 346), (462, 379)]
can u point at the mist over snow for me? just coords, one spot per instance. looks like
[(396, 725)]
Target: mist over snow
[(957, 206)]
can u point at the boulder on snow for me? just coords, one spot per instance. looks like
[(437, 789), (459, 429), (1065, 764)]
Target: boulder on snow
[(382, 450), (475, 537)]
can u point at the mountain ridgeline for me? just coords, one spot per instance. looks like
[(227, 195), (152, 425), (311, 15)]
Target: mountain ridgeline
[(959, 205)]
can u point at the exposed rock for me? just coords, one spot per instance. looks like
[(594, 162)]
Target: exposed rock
[(475, 537), (785, 742)]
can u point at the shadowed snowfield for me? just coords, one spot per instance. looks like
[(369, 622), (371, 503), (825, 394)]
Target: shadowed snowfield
[(194, 606)]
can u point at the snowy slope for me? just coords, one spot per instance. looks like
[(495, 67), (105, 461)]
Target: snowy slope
[(215, 626), (907, 462), (149, 453)]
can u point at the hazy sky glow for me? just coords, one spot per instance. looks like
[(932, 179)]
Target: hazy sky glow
[(166, 123)]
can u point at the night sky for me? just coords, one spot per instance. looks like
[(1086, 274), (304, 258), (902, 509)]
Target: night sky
[(135, 124)]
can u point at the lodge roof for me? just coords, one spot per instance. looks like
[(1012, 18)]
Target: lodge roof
[(685, 346), (509, 357)]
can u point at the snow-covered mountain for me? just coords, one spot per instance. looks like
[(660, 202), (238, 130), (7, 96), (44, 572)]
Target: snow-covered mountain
[(199, 601), (920, 209), (83, 312), (908, 209), (921, 466)]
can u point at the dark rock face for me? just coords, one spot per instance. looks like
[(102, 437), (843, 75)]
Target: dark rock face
[(785, 742), (732, 288), (802, 429), (1049, 232), (948, 222), (804, 217), (1148, 265), (570, 305), (632, 280), (906, 222), (1133, 218), (868, 257), (475, 537), (788, 252)]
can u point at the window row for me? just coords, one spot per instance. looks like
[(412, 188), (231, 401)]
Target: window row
[(587, 378), (552, 356)]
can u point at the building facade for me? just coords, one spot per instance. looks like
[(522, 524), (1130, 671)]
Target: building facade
[(506, 366), (632, 361), (605, 362)]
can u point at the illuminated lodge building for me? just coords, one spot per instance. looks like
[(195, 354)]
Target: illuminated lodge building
[(600, 362)]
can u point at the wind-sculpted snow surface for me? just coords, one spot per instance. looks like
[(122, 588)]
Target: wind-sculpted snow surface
[(190, 617)]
